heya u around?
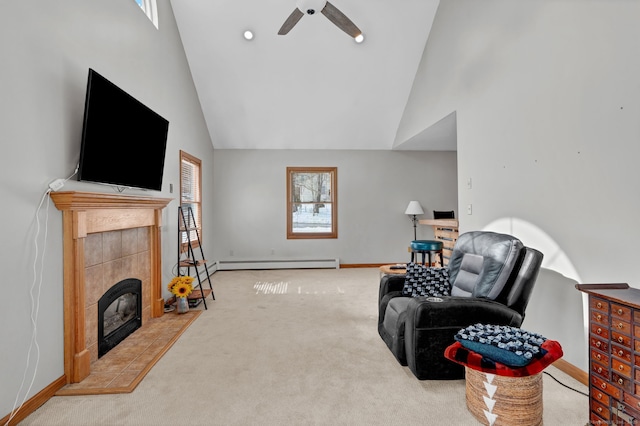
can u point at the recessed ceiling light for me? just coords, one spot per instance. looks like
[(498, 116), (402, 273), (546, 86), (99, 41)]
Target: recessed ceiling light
[(359, 38), (248, 35)]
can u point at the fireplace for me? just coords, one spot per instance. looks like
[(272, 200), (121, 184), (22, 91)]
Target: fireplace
[(94, 226), (119, 314)]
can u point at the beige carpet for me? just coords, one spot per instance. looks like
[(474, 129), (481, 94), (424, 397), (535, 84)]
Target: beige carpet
[(290, 347)]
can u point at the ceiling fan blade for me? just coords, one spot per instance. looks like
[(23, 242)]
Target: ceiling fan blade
[(291, 21), (341, 21)]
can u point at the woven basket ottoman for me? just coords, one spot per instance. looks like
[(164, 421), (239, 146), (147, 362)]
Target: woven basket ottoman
[(504, 401), (499, 395)]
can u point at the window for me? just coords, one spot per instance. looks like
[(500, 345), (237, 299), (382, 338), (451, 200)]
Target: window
[(150, 9), (191, 195), (312, 202)]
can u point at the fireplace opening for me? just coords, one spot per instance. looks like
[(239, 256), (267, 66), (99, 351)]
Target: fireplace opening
[(119, 314)]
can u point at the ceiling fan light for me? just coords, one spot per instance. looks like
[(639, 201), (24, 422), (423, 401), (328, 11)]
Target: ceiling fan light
[(359, 38), (248, 35)]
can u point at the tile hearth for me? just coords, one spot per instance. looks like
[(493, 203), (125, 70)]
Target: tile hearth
[(124, 367)]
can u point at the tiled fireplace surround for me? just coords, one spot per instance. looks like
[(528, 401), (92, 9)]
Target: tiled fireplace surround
[(111, 257), (106, 237)]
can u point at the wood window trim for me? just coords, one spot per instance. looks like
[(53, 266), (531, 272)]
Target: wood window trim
[(184, 156), (333, 171)]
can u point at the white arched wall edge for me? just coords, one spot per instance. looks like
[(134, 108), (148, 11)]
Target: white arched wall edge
[(557, 310)]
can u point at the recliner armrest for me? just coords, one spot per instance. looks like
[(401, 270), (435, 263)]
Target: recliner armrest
[(390, 287), (459, 312), (390, 283)]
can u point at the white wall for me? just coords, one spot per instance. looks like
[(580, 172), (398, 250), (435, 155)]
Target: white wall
[(46, 48), (374, 189), (546, 95)]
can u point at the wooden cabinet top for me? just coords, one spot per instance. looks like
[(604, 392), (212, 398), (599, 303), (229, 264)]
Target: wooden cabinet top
[(620, 293)]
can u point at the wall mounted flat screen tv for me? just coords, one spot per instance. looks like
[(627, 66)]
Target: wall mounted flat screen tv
[(123, 141)]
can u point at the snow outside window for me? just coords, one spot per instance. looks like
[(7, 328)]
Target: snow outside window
[(312, 202)]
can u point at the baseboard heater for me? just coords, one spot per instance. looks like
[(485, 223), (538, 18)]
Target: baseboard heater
[(226, 265)]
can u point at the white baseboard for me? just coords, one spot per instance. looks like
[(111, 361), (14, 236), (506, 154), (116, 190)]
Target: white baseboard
[(237, 264)]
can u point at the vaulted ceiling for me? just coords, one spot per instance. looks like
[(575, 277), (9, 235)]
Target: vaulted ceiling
[(314, 88)]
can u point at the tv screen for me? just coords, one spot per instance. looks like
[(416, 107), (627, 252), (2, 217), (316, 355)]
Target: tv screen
[(123, 141)]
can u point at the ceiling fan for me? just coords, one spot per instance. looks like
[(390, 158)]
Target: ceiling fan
[(310, 7)]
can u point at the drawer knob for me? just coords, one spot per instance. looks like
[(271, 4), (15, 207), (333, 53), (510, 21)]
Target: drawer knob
[(599, 330), (599, 409), (620, 353), (620, 326), (598, 344), (620, 381), (599, 317), (599, 396), (620, 311), (620, 367), (599, 370), (620, 339), (599, 305), (603, 386), (599, 356)]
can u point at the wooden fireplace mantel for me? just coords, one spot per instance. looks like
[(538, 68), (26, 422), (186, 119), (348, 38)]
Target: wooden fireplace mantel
[(84, 213)]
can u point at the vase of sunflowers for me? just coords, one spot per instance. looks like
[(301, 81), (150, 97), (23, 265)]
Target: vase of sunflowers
[(181, 287)]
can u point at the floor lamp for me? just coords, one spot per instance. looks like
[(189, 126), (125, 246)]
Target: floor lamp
[(413, 209)]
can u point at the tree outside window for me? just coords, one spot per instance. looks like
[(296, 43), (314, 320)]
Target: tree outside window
[(312, 202)]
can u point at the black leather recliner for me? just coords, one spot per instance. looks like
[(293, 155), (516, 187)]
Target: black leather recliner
[(491, 275)]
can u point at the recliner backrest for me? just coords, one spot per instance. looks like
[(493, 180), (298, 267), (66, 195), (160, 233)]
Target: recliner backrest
[(482, 262), (518, 290)]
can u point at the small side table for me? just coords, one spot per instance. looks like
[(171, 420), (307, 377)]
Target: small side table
[(386, 270)]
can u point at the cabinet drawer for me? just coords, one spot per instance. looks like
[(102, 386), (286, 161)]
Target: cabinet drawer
[(599, 344), (619, 380), (600, 410), (599, 304), (636, 359), (599, 317), (600, 370), (600, 330), (621, 368), (600, 357), (621, 311), (632, 401), (621, 326), (610, 389), (622, 353), (599, 396), (597, 421), (620, 338)]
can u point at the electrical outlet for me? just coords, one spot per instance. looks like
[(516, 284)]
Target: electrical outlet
[(56, 185)]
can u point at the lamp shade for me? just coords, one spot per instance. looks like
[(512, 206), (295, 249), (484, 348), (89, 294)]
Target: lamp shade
[(414, 207)]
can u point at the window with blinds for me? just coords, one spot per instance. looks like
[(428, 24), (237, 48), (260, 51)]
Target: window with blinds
[(191, 196), (150, 8)]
